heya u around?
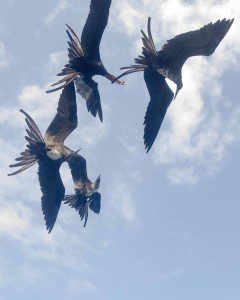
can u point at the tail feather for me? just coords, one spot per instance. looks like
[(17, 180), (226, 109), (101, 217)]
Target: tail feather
[(75, 51), (28, 157), (148, 57), (23, 163), (22, 169), (35, 129), (32, 136), (75, 41), (131, 69), (35, 147), (69, 80)]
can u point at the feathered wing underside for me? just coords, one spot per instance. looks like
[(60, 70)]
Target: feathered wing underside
[(52, 190), (88, 89), (203, 41), (160, 98), (94, 27), (78, 167), (35, 147), (75, 55), (65, 121)]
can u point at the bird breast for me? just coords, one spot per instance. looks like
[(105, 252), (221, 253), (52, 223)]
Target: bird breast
[(54, 154)]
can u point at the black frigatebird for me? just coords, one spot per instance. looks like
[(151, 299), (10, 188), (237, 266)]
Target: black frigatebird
[(84, 57), (168, 63), (50, 152), (86, 195)]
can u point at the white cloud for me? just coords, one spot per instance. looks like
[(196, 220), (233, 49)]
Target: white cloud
[(122, 199), (4, 59), (61, 6), (200, 123)]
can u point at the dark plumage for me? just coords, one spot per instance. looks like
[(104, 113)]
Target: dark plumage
[(168, 63), (84, 57), (50, 152), (86, 194)]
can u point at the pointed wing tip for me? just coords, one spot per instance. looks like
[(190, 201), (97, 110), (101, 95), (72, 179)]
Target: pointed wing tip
[(49, 230), (147, 148), (100, 117)]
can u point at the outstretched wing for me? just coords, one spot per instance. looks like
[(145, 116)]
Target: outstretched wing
[(94, 28), (88, 89), (160, 98), (65, 121), (52, 188), (78, 167), (203, 41)]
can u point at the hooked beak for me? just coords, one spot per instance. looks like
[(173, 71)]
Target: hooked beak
[(97, 182), (177, 91), (76, 152)]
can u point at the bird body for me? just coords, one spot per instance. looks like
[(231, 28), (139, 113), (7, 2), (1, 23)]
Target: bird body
[(168, 63)]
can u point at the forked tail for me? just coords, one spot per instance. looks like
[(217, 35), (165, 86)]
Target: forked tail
[(75, 51), (35, 146), (148, 57)]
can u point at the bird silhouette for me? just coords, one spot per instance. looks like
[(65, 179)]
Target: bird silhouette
[(168, 63), (86, 195), (84, 57), (50, 152)]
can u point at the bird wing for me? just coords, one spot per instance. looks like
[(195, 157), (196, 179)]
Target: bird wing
[(78, 167), (95, 202), (94, 27), (160, 98), (65, 121), (88, 89), (203, 41), (52, 188)]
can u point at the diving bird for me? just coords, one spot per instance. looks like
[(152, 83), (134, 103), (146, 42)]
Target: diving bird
[(50, 152), (86, 195), (168, 63), (84, 58)]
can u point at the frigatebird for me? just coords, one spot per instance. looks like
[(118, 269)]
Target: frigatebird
[(50, 152), (168, 63), (86, 195), (84, 57)]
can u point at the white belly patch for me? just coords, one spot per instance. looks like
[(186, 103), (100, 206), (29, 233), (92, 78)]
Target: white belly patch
[(54, 154)]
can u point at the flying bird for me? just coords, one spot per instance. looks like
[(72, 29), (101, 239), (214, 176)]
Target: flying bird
[(86, 195), (84, 58), (50, 152), (168, 63)]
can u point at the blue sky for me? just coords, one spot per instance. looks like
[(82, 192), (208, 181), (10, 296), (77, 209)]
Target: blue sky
[(169, 226)]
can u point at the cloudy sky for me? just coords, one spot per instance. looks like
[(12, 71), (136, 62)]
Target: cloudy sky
[(169, 227)]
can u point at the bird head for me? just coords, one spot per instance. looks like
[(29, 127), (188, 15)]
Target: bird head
[(97, 183), (93, 187)]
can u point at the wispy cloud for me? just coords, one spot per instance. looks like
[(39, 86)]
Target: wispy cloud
[(61, 6), (122, 199), (4, 58)]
